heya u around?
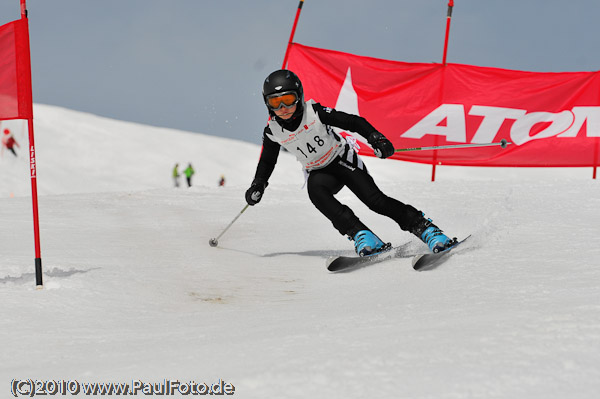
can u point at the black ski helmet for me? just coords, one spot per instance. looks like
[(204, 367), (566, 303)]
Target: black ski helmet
[(281, 81)]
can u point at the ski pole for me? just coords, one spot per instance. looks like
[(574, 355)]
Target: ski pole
[(213, 242), (503, 143)]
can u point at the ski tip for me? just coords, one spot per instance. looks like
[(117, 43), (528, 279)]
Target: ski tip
[(415, 260)]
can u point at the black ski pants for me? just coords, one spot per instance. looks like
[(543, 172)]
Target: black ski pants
[(349, 171)]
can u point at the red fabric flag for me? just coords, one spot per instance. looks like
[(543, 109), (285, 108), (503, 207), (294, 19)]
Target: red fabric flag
[(15, 71), (553, 119)]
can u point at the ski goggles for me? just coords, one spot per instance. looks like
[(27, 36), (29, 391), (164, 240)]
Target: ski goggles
[(286, 99)]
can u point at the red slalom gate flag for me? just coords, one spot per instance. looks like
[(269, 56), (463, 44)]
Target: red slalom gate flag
[(552, 119), (15, 71)]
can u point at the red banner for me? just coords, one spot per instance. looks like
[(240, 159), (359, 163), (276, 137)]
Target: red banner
[(15, 71), (552, 119)]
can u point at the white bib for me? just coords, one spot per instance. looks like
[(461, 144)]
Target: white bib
[(314, 144)]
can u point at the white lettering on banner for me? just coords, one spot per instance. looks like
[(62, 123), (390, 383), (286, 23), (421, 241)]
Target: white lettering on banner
[(449, 120), (493, 118), (591, 115), (454, 130), (558, 123)]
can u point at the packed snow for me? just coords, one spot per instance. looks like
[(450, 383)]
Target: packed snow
[(134, 294)]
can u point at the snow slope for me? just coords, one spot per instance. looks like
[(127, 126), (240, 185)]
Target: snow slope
[(134, 292)]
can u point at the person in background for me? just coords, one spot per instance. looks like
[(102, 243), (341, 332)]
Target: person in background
[(176, 175), (9, 142), (222, 181), (189, 172), (304, 128)]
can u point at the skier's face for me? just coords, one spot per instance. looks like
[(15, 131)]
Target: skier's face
[(286, 113)]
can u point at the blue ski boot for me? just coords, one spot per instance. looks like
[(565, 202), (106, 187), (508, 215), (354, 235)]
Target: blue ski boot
[(366, 243), (431, 235)]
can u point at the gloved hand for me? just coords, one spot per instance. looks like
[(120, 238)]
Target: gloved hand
[(382, 147), (255, 192)]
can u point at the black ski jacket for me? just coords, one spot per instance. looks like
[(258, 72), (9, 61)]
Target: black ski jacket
[(328, 116)]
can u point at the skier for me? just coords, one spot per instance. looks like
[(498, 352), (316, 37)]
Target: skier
[(9, 142), (304, 129), (176, 175), (189, 172)]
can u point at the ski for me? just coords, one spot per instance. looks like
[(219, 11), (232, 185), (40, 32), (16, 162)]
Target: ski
[(347, 263), (430, 261)]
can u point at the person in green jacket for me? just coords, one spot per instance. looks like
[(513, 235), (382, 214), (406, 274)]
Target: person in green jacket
[(189, 172)]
